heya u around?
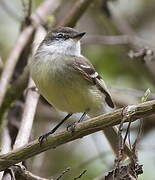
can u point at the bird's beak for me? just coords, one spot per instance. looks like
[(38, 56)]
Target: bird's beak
[(78, 36)]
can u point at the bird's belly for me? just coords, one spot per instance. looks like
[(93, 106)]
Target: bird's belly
[(69, 97), (65, 92)]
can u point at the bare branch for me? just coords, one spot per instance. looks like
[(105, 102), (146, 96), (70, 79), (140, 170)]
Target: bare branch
[(27, 118), (116, 40), (22, 172), (12, 60), (81, 130), (75, 13), (124, 27), (27, 8), (6, 144), (46, 8)]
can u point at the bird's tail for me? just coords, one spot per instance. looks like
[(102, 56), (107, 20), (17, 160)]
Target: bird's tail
[(111, 134)]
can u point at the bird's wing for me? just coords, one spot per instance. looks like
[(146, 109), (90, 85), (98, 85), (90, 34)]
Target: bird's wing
[(83, 66)]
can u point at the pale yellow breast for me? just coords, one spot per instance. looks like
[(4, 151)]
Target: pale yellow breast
[(64, 88)]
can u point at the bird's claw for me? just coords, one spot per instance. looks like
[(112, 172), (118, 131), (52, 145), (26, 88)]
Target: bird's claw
[(71, 127), (42, 138)]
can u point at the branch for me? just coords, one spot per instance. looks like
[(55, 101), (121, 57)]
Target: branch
[(63, 173), (124, 27), (14, 92), (75, 13), (81, 174), (116, 40), (81, 130), (12, 60), (5, 144), (46, 8), (27, 118), (24, 174)]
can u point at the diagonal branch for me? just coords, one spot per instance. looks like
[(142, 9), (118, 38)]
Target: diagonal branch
[(12, 60), (81, 130), (75, 13)]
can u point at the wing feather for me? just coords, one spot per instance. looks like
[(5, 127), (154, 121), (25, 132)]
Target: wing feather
[(83, 66)]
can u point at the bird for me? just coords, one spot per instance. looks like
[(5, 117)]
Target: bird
[(68, 80)]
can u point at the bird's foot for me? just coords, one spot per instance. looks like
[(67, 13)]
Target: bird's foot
[(44, 137), (71, 127)]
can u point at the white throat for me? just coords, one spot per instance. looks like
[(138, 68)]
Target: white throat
[(69, 47)]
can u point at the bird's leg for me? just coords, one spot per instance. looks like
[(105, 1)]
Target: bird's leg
[(82, 117), (72, 126), (44, 136)]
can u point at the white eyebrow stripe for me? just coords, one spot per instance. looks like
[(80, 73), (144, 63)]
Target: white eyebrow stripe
[(94, 75)]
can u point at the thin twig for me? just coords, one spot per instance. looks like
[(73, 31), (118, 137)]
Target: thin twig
[(29, 9), (81, 130), (117, 40), (124, 27), (120, 152), (127, 134), (81, 174), (63, 173)]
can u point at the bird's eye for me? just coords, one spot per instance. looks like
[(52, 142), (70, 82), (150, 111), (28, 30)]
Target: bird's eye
[(60, 35)]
